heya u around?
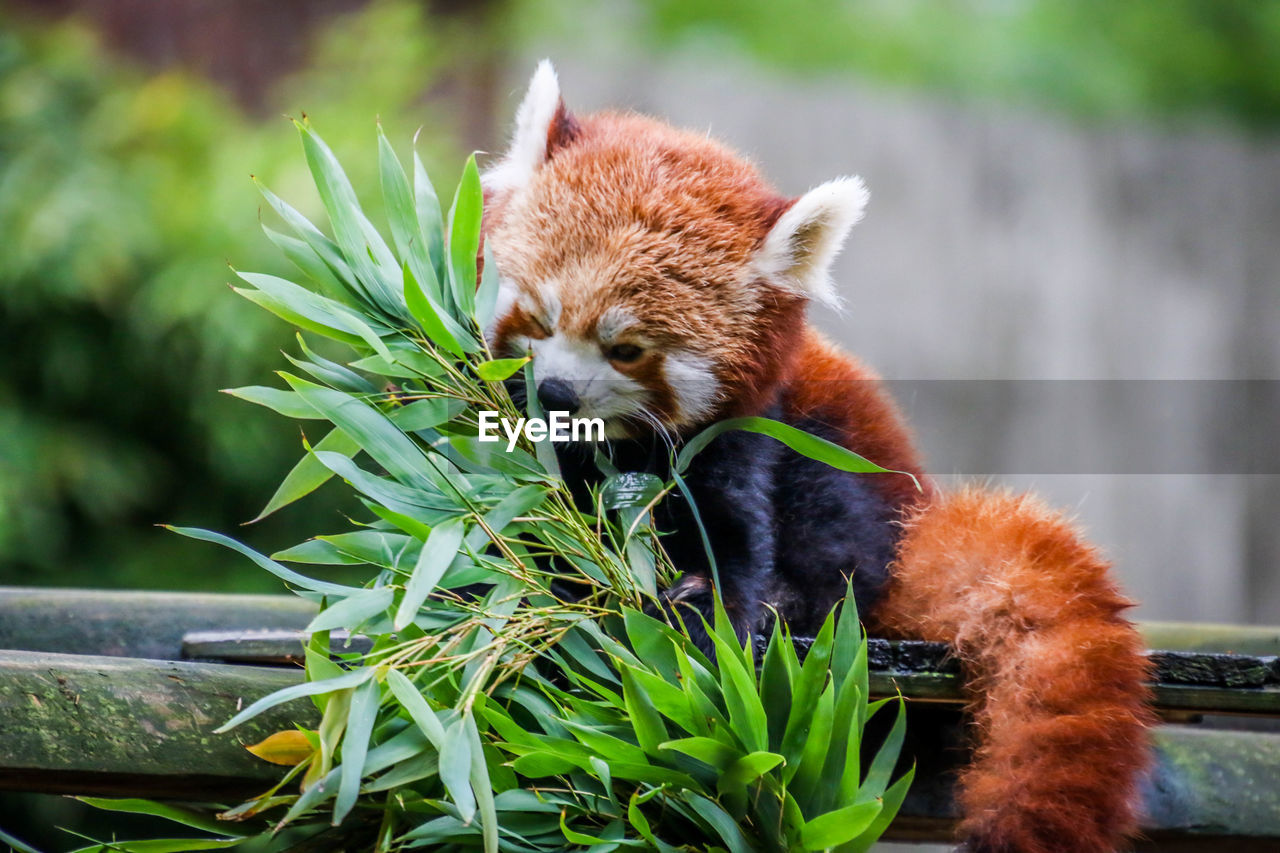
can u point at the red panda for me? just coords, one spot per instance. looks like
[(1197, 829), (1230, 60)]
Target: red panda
[(661, 284)]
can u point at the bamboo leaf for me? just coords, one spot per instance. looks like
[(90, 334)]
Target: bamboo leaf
[(355, 746), (835, 828), (455, 768), (309, 474), (288, 747), (354, 610), (438, 552), (354, 678), (287, 575), (464, 237), (499, 369), (798, 440), (168, 811)]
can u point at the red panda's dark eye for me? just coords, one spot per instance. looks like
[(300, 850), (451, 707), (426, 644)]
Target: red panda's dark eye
[(624, 353)]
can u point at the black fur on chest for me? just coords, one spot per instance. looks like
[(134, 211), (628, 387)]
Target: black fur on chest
[(785, 530)]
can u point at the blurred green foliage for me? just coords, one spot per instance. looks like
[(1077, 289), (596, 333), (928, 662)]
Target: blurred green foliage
[(122, 196), (123, 192), (1094, 58)]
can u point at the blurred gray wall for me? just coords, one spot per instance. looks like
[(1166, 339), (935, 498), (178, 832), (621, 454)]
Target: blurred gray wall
[(1001, 244)]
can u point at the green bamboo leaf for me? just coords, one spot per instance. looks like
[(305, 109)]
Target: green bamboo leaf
[(17, 844), (538, 765), (646, 722), (806, 779), (890, 803), (499, 369), (641, 823), (775, 686), (455, 769), (429, 219), (309, 474), (330, 372), (360, 244), (354, 678), (282, 402), (354, 610), (441, 329), (380, 438), (670, 701), (287, 575), (886, 757), (355, 746), (324, 315), (464, 237), (835, 828), (416, 706), (325, 248), (798, 440), (307, 260), (438, 552), (725, 826), (746, 711), (482, 788), (707, 750), (805, 692), (177, 814), (286, 312), (745, 770), (402, 215), (629, 489), (163, 845)]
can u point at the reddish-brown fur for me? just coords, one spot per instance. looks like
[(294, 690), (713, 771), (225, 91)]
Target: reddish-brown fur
[(629, 211), (1056, 671)]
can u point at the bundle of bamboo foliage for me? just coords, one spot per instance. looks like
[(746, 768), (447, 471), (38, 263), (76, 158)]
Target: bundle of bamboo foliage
[(493, 711)]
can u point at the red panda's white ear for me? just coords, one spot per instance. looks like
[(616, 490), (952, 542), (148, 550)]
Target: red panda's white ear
[(799, 249), (530, 141)]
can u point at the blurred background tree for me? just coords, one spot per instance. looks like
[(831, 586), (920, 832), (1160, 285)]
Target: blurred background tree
[(128, 129)]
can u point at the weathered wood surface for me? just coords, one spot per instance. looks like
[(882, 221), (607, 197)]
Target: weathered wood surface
[(130, 727), (1193, 671), (1184, 682), (125, 726), (133, 624)]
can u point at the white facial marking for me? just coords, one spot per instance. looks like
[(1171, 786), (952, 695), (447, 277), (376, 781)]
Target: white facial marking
[(613, 322), (693, 383), (603, 391)]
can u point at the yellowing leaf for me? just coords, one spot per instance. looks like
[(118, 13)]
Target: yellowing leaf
[(288, 747), (500, 368)]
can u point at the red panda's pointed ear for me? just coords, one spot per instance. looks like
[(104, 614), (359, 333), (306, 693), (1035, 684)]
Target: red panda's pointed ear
[(798, 251), (542, 126)]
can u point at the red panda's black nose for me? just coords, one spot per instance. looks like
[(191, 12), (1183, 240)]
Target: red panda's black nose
[(556, 395)]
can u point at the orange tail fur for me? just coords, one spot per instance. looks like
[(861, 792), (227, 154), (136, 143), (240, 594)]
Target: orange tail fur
[(1060, 706)]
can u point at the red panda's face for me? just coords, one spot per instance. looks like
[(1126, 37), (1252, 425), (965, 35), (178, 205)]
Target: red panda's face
[(657, 280)]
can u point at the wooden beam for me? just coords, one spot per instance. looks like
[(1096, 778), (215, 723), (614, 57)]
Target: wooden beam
[(1185, 682), (84, 724), (129, 727), (132, 623)]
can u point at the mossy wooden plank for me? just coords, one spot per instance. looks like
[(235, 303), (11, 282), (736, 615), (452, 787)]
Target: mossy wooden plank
[(132, 623), (924, 672), (125, 726), (1208, 789), (1261, 640)]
